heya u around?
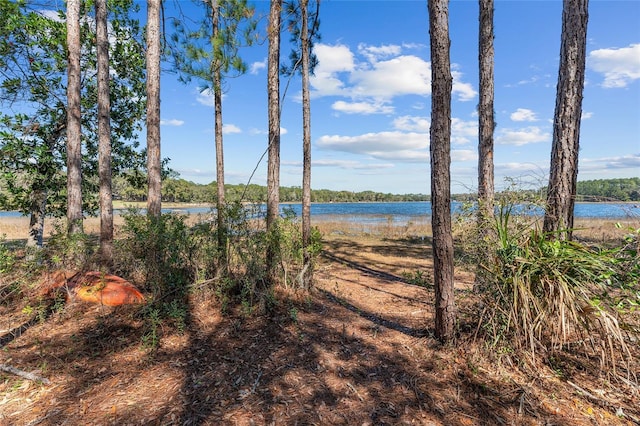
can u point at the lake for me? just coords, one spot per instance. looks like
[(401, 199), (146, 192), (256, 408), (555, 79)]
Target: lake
[(411, 211), (421, 211)]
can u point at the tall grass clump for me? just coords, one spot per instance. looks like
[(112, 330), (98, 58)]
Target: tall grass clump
[(517, 211), (627, 259), (8, 289), (547, 294)]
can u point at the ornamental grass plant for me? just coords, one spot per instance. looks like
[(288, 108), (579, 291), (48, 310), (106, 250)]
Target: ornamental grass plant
[(542, 294)]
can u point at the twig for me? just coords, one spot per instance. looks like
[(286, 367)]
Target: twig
[(255, 384), (29, 376), (355, 391)]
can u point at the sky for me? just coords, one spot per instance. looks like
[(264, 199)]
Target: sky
[(370, 99)]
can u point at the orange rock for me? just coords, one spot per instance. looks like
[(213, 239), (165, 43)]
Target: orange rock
[(105, 289), (94, 287)]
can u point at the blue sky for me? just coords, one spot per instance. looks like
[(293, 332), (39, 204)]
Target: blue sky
[(371, 99)]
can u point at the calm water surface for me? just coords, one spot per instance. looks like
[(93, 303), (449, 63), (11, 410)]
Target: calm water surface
[(411, 211)]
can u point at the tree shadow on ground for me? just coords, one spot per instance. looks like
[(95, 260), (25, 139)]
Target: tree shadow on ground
[(45, 312), (313, 368), (310, 362), (376, 319), (317, 359)]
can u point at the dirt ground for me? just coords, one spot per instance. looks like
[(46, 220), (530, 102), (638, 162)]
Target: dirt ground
[(358, 350)]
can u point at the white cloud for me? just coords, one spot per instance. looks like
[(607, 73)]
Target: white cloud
[(362, 107), (257, 66), (381, 74), (205, 97), (413, 45), (402, 75), (331, 60), (336, 58), (523, 136), (228, 129), (351, 165), (405, 156), (586, 115), (463, 132), (375, 53), (383, 141), (463, 155), (523, 114), (631, 161), (619, 66), (171, 122), (465, 91), (384, 145), (409, 123)]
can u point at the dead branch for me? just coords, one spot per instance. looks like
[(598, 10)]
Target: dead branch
[(24, 374)]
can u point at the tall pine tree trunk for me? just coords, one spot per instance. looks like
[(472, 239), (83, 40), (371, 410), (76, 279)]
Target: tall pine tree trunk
[(440, 149), (486, 121), (217, 100), (154, 162), (563, 173), (486, 126), (104, 134), (307, 267), (273, 165), (74, 142)]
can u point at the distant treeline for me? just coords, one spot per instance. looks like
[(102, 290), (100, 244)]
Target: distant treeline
[(599, 190), (609, 189), (181, 190)]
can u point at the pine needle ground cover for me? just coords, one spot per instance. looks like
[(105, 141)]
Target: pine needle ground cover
[(358, 350)]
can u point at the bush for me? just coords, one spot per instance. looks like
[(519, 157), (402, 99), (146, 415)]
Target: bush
[(68, 251), (160, 251), (7, 257), (172, 258)]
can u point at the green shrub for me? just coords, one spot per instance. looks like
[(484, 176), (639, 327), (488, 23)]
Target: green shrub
[(172, 258), (7, 257), (68, 251), (161, 251), (161, 248)]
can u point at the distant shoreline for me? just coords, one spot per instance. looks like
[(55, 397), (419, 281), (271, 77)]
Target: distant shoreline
[(123, 205), (15, 228)]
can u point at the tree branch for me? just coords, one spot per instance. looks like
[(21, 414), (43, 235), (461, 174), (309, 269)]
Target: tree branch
[(29, 376)]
